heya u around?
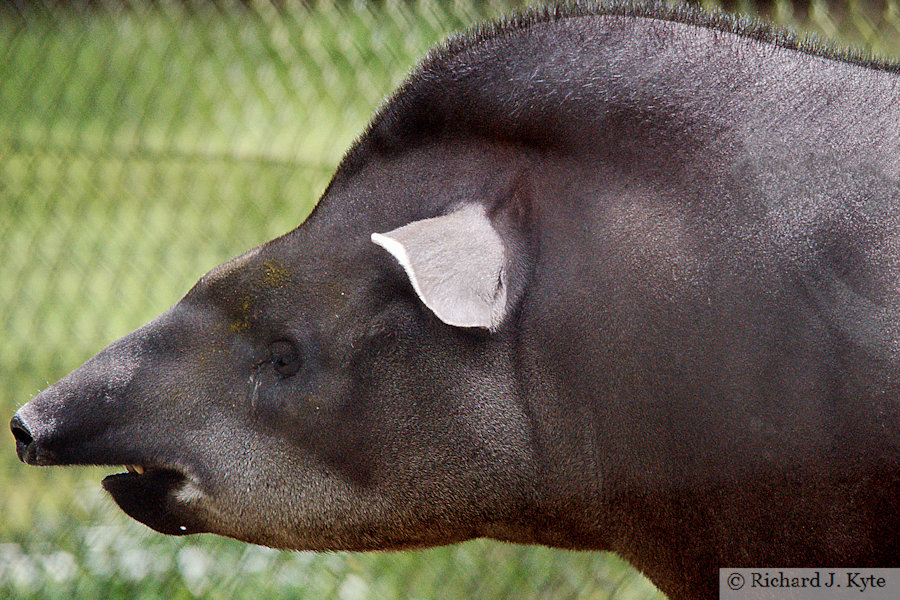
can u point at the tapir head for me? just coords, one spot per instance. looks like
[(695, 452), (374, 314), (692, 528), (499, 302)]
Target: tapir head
[(329, 389)]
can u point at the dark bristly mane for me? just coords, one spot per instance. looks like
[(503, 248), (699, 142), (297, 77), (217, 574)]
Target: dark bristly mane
[(681, 13), (405, 110)]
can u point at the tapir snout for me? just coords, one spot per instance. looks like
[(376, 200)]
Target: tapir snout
[(68, 422), (113, 411)]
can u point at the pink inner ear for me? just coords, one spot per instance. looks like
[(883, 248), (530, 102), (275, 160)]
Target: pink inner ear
[(456, 265)]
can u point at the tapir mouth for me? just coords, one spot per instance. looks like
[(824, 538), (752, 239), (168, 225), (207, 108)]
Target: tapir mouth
[(159, 497)]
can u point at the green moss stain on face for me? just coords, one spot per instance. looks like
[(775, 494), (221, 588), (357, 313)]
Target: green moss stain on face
[(241, 320), (237, 286), (274, 275)]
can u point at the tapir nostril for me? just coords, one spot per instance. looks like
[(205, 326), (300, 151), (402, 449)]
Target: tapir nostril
[(22, 435)]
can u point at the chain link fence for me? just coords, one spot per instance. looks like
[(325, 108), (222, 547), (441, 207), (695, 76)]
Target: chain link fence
[(141, 144)]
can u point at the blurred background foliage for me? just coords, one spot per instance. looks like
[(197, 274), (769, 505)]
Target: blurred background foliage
[(141, 144)]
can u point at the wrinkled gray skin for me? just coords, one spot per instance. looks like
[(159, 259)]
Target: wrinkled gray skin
[(669, 326)]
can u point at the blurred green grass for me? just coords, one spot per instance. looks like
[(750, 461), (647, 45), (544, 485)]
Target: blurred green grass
[(142, 144)]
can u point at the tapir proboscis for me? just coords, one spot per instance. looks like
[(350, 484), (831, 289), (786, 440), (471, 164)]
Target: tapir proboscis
[(605, 278)]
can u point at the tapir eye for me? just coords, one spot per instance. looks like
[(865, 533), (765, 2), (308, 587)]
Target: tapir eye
[(284, 357)]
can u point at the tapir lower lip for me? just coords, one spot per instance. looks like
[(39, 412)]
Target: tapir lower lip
[(152, 498)]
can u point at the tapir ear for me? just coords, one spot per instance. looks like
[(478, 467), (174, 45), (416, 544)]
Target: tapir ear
[(456, 264)]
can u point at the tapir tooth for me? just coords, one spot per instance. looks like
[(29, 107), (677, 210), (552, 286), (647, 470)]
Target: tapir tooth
[(135, 469)]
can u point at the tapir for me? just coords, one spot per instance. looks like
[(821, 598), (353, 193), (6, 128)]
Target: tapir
[(595, 277)]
